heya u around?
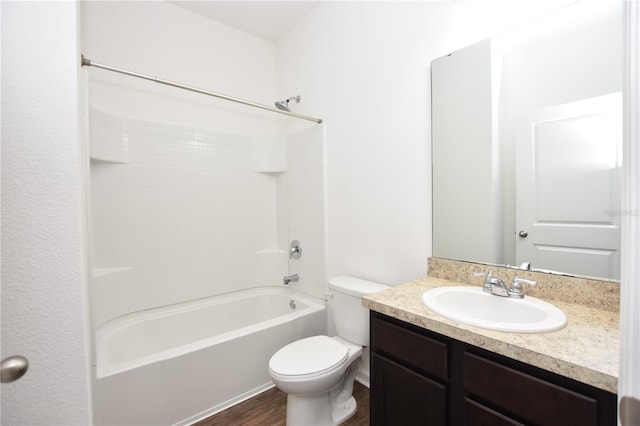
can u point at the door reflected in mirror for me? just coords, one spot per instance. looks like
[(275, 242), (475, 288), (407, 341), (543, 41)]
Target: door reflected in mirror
[(526, 145)]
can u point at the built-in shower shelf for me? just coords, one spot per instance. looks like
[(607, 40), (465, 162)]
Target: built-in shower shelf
[(108, 141), (101, 272), (96, 160), (270, 154), (270, 172)]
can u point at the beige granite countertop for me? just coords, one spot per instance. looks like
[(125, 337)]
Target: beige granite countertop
[(587, 349)]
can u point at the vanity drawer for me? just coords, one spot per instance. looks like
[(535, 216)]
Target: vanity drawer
[(476, 414), (422, 353), (534, 400)]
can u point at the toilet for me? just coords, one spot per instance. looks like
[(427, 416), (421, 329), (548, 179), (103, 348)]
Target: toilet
[(318, 372)]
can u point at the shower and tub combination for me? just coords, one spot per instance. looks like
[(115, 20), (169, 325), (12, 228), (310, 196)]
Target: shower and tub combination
[(192, 274), (179, 364)]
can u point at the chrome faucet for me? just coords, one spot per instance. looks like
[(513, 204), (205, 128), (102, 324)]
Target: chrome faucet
[(290, 278), (496, 286), (493, 285)]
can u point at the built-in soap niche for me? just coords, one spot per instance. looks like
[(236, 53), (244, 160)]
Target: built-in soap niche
[(109, 141), (270, 154), (109, 158), (269, 157)]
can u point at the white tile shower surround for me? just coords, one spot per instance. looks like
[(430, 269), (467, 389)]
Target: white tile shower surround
[(180, 213)]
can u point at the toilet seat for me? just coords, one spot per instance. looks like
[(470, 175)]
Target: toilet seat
[(311, 356)]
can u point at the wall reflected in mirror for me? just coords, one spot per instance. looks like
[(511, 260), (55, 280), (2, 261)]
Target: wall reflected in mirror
[(527, 137)]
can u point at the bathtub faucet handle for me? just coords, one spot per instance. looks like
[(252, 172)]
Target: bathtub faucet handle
[(295, 250), (290, 278)]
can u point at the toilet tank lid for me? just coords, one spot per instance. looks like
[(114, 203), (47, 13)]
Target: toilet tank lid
[(354, 286)]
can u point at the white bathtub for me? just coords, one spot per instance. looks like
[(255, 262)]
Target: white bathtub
[(181, 363)]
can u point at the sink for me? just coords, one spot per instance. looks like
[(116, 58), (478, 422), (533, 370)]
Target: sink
[(472, 306)]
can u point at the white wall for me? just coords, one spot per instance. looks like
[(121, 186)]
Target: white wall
[(43, 298), (364, 68), (166, 41)]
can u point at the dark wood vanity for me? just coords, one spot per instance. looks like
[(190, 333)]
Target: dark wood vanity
[(419, 377)]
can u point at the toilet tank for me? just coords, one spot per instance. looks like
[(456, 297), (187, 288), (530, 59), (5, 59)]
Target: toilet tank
[(351, 319)]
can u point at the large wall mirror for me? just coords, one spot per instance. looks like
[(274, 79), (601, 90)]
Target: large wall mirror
[(527, 137)]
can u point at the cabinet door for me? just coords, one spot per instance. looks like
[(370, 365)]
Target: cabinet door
[(400, 396)]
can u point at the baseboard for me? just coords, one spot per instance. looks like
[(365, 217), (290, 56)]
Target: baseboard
[(363, 378), (221, 407)]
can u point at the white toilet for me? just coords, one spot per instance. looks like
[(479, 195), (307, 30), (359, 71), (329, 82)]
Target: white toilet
[(317, 373)]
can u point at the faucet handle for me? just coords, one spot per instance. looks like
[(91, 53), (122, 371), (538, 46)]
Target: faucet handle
[(487, 281), (484, 274), (516, 287)]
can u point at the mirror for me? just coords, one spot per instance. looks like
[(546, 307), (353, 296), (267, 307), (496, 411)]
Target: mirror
[(526, 145)]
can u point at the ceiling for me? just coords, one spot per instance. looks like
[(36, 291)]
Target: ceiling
[(269, 20)]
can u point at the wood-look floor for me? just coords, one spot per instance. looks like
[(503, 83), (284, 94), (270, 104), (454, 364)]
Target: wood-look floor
[(270, 407)]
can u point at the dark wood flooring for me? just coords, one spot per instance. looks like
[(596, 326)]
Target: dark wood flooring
[(270, 407)]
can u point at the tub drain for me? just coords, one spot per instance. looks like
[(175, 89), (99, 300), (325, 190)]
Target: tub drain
[(292, 304)]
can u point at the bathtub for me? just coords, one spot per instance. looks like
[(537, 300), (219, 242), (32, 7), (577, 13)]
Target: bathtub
[(181, 363)]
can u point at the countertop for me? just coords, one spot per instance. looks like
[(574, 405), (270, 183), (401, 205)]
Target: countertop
[(587, 349)]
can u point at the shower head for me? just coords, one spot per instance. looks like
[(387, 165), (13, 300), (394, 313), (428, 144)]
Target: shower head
[(284, 105)]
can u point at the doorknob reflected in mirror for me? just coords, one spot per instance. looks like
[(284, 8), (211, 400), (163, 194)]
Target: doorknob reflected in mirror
[(523, 234), (13, 368)]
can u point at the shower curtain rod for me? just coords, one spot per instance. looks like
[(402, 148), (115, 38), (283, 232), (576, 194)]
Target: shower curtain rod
[(89, 63)]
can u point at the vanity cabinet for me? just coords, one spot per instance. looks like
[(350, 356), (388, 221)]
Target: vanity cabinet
[(419, 377)]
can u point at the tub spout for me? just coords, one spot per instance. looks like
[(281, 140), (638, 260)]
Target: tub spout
[(290, 278)]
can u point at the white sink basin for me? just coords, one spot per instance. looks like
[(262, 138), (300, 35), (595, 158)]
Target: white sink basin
[(472, 306)]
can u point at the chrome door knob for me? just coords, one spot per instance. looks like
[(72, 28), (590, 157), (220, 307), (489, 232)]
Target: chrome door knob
[(523, 234), (12, 368)]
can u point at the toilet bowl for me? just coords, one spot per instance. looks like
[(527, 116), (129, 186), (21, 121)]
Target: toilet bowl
[(312, 365), (318, 372)]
